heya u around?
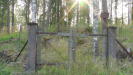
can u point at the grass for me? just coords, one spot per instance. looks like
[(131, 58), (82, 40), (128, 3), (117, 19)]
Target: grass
[(11, 44), (57, 51), (85, 64), (125, 35), (6, 37), (13, 41)]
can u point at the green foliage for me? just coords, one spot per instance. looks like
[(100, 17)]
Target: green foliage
[(3, 11), (4, 73), (83, 28), (85, 64), (12, 42), (52, 71), (6, 37), (52, 28), (90, 68)]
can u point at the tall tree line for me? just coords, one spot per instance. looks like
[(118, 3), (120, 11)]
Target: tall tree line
[(4, 14), (7, 16), (60, 13)]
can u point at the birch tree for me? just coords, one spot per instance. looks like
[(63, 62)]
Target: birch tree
[(111, 9), (44, 13), (122, 1), (27, 11), (116, 4), (33, 11), (95, 25)]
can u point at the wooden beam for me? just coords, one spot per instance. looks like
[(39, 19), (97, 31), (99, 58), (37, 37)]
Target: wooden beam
[(69, 34), (51, 64)]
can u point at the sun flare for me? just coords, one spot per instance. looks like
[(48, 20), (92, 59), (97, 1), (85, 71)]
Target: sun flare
[(82, 1), (79, 1)]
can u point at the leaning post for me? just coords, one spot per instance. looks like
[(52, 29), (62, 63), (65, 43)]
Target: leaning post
[(32, 48)]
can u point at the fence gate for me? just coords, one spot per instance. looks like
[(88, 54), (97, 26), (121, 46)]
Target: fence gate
[(65, 49)]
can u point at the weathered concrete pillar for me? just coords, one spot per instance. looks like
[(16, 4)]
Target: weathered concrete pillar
[(112, 43), (32, 48), (72, 47), (39, 47)]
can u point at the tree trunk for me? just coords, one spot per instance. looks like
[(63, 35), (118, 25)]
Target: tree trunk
[(111, 11), (122, 13), (33, 11), (48, 15), (13, 15), (95, 26), (2, 17), (58, 14), (88, 17), (116, 3), (44, 15), (77, 20), (27, 12), (132, 13), (8, 18)]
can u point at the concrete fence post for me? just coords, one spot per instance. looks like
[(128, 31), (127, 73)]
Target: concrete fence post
[(32, 48), (71, 49), (112, 43)]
